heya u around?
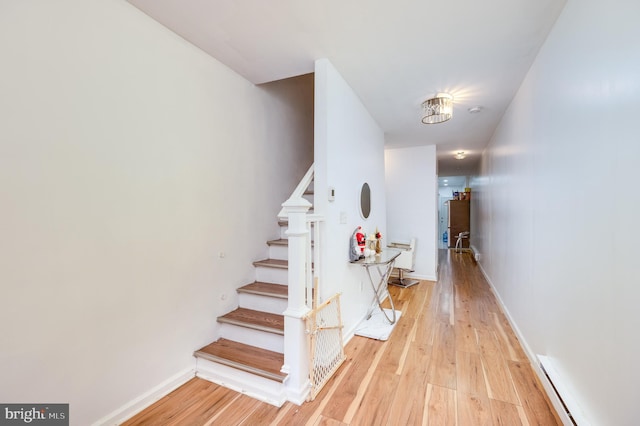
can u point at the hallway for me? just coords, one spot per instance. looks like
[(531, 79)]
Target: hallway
[(452, 359)]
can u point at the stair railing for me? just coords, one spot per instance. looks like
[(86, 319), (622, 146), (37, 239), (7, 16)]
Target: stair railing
[(292, 209), (303, 272), (312, 267), (299, 191)]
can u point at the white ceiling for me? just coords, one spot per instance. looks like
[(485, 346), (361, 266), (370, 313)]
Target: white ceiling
[(394, 54)]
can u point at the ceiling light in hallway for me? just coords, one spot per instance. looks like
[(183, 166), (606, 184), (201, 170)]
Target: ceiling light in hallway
[(437, 109), (460, 155)]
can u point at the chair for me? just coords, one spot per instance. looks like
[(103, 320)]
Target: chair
[(404, 262), (461, 235)]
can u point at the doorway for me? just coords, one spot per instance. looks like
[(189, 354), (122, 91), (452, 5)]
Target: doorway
[(447, 185)]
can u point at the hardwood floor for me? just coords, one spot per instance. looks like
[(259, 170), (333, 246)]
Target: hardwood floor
[(453, 359)]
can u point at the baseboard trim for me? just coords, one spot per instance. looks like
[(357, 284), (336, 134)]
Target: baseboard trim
[(298, 396), (146, 399), (533, 357), (476, 254)]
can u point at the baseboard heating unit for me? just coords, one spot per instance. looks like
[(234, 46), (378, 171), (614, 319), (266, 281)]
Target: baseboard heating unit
[(568, 403)]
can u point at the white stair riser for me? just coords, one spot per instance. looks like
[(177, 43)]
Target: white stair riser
[(256, 302), (278, 252), (283, 231), (272, 275), (281, 252), (269, 391), (261, 339)]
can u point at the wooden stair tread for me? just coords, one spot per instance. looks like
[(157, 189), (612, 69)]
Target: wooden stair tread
[(272, 263), (278, 242), (266, 289), (245, 357), (285, 221), (281, 242), (271, 323)]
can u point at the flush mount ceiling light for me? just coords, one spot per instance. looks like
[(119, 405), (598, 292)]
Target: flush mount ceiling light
[(437, 109), (475, 109), (460, 155)]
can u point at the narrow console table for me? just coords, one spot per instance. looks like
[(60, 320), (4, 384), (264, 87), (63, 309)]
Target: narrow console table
[(383, 263)]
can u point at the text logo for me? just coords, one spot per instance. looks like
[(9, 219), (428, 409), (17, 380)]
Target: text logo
[(34, 414)]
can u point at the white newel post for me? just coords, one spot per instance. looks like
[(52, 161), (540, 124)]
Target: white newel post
[(296, 357)]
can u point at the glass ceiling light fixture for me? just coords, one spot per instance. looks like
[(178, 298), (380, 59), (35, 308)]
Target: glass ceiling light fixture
[(437, 109), (460, 155)]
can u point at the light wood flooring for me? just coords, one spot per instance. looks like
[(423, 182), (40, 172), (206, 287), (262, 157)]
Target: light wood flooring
[(452, 359)]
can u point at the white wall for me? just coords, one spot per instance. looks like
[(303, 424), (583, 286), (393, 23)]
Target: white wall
[(285, 146), (412, 204), (128, 160), (447, 191), (349, 151), (562, 252)]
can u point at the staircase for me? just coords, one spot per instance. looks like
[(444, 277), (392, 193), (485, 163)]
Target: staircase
[(249, 355)]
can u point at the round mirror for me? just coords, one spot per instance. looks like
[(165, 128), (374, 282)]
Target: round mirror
[(365, 200)]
